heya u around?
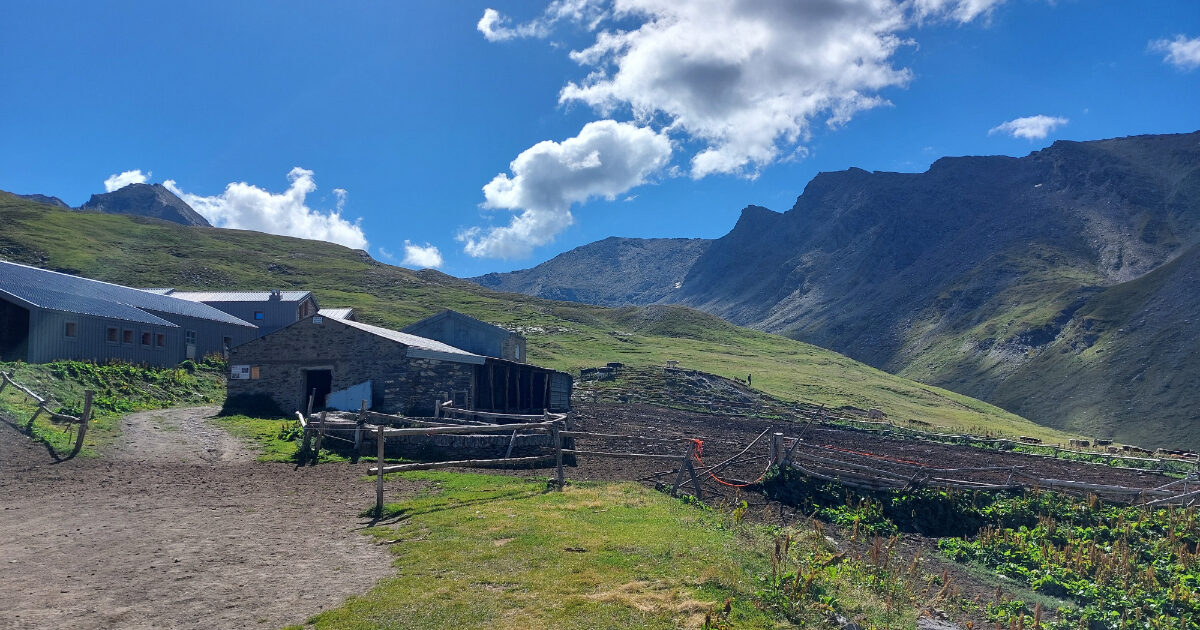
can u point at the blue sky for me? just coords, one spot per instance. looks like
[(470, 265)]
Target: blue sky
[(502, 133)]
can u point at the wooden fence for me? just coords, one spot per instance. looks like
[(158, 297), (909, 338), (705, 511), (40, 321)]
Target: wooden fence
[(82, 421)]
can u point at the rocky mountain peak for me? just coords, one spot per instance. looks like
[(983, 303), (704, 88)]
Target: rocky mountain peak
[(146, 200)]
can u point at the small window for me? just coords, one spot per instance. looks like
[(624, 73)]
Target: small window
[(226, 343), (190, 337), (145, 339), (127, 336), (71, 329), (254, 373), (113, 335), (160, 340), (259, 315)]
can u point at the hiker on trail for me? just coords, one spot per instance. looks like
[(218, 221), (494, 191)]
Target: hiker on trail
[(748, 382)]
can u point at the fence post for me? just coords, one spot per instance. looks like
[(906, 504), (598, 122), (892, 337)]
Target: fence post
[(3, 381), (311, 398), (437, 408), (558, 455), (83, 420), (776, 448), (379, 448), (320, 438), (687, 458), (358, 428)]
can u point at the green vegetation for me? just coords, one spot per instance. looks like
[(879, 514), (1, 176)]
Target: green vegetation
[(565, 336), (277, 440), (119, 389), (481, 551), (1112, 567)]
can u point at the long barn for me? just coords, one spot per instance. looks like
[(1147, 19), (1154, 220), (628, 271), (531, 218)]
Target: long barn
[(46, 316)]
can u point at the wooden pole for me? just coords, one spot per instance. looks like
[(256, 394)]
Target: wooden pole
[(466, 463), (695, 479), (380, 443), (683, 467), (83, 420), (556, 435), (507, 371), (320, 438), (776, 448), (3, 381), (492, 386), (311, 398), (358, 428)]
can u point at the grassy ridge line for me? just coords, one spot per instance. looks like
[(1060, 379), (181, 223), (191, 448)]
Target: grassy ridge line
[(562, 335)]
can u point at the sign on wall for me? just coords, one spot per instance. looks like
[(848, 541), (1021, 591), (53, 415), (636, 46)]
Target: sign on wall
[(239, 372)]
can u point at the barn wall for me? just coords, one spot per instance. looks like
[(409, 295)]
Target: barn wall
[(276, 313), (399, 384), (48, 340)]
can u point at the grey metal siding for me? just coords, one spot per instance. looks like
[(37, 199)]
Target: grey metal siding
[(48, 340), (560, 392), (276, 313), (470, 334)]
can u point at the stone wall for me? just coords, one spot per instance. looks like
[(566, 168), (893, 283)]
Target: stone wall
[(398, 384)]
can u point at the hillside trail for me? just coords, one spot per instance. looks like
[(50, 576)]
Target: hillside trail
[(176, 526)]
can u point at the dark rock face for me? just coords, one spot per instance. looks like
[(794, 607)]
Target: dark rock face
[(1057, 285), (146, 200), (612, 272), (46, 199)]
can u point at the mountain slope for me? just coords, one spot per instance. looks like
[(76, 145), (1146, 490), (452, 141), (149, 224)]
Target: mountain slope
[(146, 200), (612, 272), (141, 252), (981, 275)]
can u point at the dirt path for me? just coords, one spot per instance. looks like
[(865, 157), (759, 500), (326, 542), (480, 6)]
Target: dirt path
[(177, 527)]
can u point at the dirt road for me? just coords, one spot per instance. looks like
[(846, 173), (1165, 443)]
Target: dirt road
[(177, 527)]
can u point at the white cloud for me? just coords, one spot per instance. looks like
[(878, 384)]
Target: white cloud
[(426, 256), (121, 180), (961, 10), (1181, 52), (497, 28), (247, 207), (606, 159), (1029, 127)]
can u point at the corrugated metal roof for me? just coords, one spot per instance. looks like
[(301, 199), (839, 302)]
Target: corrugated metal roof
[(419, 347), (336, 313), (238, 296), (72, 294)]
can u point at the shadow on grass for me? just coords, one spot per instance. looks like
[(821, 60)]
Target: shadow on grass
[(398, 514), (26, 429)]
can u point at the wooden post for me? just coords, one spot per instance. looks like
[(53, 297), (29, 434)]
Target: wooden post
[(492, 386), (83, 420), (683, 467), (380, 443), (507, 370), (556, 436), (437, 407), (358, 428), (29, 425), (3, 381), (306, 442), (320, 438)]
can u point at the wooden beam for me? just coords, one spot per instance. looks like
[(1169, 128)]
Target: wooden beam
[(465, 463)]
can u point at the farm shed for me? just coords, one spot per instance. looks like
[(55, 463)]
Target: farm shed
[(269, 310), (407, 373), (46, 315), (472, 335)]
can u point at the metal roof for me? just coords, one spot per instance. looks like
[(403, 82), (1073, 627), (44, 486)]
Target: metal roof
[(418, 347), (72, 294), (234, 296), (449, 314), (336, 313)]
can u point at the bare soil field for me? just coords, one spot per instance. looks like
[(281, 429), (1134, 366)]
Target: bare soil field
[(724, 436), (178, 527)]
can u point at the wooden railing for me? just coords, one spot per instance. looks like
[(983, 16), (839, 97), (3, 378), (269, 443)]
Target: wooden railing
[(82, 421)]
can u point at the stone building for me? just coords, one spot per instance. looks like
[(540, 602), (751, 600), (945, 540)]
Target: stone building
[(403, 373)]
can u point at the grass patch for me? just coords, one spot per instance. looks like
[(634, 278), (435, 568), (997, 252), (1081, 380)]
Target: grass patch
[(120, 388), (484, 551)]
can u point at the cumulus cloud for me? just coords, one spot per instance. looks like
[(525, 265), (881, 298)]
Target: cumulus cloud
[(606, 159), (1029, 127), (422, 256), (121, 180), (247, 207), (1181, 52)]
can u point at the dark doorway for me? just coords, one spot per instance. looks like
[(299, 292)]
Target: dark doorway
[(317, 383), (14, 332)]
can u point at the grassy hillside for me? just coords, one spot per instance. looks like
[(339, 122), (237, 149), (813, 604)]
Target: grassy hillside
[(566, 336)]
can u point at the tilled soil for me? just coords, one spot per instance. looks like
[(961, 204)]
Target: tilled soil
[(178, 527)]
